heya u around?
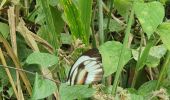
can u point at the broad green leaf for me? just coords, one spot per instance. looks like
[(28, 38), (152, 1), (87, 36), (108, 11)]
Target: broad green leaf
[(114, 25), (75, 92), (43, 59), (73, 18), (4, 29), (147, 88), (150, 15), (164, 32), (42, 88), (110, 52), (155, 53)]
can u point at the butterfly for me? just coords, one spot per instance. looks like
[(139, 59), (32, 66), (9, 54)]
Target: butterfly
[(87, 69)]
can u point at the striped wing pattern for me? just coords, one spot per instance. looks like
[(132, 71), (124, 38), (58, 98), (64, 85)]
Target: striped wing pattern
[(87, 69)]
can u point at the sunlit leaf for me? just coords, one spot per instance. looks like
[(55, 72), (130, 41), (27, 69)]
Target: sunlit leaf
[(43, 59), (148, 18)]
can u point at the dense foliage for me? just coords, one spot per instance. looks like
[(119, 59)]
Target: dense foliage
[(41, 39)]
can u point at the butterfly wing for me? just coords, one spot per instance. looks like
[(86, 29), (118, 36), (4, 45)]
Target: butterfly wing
[(87, 69)]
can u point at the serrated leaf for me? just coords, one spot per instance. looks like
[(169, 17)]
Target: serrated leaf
[(110, 52), (164, 30), (43, 59), (75, 92), (148, 18), (42, 88)]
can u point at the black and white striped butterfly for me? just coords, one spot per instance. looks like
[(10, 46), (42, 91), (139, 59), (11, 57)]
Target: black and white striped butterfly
[(87, 69)]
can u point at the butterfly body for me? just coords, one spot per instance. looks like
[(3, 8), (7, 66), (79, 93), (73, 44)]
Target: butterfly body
[(87, 69)]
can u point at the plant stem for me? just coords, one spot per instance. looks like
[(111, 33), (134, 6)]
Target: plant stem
[(125, 44), (110, 12), (139, 55), (142, 60), (101, 32), (163, 70)]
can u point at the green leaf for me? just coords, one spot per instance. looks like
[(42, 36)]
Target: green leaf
[(66, 38), (75, 92), (4, 29), (3, 76), (73, 19), (155, 53), (114, 25), (42, 88), (10, 92), (123, 7), (136, 97), (54, 22), (148, 18), (147, 88), (164, 30), (43, 59), (110, 52), (85, 8), (144, 55)]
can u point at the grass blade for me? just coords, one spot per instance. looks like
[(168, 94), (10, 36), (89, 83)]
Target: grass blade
[(125, 44)]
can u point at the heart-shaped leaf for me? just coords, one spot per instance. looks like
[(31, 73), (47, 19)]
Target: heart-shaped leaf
[(150, 15), (42, 88), (110, 52)]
